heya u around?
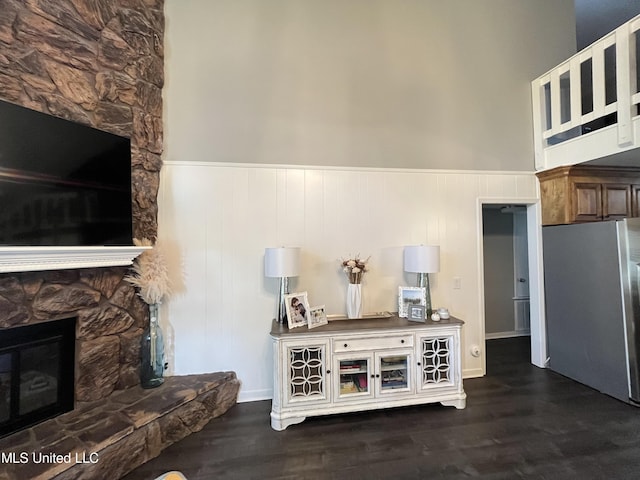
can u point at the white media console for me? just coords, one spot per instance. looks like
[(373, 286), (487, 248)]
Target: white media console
[(356, 365)]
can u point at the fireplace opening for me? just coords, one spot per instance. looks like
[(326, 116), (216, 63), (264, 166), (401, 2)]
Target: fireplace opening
[(37, 364)]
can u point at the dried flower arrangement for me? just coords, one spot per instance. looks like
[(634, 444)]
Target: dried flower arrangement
[(150, 274), (354, 268)]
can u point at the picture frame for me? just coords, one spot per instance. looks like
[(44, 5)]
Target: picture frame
[(410, 296), (416, 313), (317, 316), (297, 308)]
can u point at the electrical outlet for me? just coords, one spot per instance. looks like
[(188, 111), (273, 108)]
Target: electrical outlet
[(457, 283)]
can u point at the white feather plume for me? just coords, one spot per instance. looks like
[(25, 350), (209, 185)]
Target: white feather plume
[(149, 273)]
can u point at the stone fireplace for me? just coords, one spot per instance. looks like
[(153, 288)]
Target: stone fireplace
[(121, 428), (99, 63), (110, 318)]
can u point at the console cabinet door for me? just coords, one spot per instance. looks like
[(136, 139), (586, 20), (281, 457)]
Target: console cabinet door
[(305, 375), (353, 376), (394, 372), (437, 357)]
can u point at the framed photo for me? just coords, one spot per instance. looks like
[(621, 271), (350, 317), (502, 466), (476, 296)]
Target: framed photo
[(317, 316), (297, 308), (410, 296), (416, 313)]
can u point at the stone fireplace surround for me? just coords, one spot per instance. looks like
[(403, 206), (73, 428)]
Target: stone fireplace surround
[(99, 63), (115, 422), (110, 320)]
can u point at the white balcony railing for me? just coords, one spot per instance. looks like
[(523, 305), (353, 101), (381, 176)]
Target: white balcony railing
[(588, 107)]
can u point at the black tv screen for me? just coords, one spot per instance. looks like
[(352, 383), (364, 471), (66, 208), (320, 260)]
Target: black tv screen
[(62, 183)]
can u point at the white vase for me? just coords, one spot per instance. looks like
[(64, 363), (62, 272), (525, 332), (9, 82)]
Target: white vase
[(354, 300)]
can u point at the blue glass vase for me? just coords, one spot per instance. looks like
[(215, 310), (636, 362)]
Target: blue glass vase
[(152, 352)]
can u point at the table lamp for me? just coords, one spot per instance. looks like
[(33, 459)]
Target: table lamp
[(423, 260), (282, 262)]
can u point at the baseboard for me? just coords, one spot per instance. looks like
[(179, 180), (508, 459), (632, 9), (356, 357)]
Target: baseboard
[(472, 373), (496, 335), (255, 395)]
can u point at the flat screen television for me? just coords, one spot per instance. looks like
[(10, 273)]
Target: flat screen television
[(62, 183)]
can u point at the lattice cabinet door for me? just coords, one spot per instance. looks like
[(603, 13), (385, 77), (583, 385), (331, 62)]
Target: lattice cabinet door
[(437, 357), (306, 372)]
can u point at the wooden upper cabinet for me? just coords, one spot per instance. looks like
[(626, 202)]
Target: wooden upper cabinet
[(587, 201), (576, 194), (635, 200), (616, 201)]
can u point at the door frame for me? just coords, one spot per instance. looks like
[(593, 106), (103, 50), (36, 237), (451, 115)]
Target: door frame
[(539, 356)]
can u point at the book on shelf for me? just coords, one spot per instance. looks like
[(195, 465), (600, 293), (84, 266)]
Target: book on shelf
[(394, 375), (395, 366), (393, 361), (357, 383), (394, 384), (348, 387), (349, 367)]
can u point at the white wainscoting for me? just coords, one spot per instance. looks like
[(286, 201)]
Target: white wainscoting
[(215, 221)]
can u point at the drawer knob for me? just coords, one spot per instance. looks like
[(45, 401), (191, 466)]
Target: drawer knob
[(328, 371), (346, 345), (401, 341)]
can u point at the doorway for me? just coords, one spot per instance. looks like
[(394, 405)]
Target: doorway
[(506, 271), (531, 218)]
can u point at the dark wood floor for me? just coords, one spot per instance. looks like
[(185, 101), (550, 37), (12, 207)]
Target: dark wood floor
[(520, 422)]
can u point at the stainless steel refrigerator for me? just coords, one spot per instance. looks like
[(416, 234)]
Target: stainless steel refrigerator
[(592, 290)]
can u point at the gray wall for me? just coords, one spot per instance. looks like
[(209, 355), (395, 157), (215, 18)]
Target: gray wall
[(376, 83)]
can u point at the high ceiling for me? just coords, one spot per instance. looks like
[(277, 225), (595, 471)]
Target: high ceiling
[(596, 18)]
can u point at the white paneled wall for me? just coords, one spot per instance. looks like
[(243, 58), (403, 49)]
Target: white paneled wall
[(215, 221)]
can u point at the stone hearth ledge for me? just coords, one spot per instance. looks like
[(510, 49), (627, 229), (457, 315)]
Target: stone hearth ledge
[(110, 437)]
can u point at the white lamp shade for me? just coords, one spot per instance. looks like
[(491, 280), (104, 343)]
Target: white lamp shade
[(422, 258), (282, 261)]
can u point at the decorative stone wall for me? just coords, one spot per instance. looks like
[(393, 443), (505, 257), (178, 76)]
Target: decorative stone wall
[(96, 62), (100, 63)]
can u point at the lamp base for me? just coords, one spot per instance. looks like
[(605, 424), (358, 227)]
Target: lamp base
[(284, 290), (423, 281)]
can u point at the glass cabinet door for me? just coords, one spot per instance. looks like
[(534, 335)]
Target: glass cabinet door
[(354, 376), (394, 372)]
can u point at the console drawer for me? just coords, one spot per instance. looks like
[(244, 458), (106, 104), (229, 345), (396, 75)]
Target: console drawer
[(353, 344)]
